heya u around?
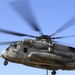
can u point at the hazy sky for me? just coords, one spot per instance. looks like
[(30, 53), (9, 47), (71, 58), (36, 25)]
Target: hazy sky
[(50, 15)]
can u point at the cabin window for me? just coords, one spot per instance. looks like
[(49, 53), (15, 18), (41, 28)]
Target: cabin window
[(25, 50), (14, 46)]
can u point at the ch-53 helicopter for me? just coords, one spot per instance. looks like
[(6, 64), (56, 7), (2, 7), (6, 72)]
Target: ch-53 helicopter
[(42, 52)]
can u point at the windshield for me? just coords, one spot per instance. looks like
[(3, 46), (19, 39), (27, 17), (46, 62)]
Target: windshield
[(7, 48), (14, 46)]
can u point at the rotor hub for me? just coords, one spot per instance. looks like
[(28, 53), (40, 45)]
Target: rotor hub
[(46, 38)]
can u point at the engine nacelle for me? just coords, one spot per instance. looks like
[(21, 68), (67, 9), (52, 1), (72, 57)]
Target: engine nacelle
[(48, 57), (62, 53), (36, 44)]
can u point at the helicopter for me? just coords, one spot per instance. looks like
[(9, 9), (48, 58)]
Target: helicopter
[(42, 51)]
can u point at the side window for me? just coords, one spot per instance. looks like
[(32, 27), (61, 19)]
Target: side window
[(7, 48), (25, 50), (14, 46)]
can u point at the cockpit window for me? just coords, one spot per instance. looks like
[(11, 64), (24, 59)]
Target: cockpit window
[(15, 46), (7, 48)]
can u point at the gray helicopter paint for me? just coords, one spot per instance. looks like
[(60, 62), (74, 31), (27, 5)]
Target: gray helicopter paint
[(38, 57), (36, 44), (62, 53), (48, 56), (61, 47)]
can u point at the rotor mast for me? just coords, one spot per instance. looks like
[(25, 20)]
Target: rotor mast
[(44, 38)]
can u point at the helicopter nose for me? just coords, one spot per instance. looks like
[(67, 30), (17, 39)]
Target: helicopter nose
[(4, 53)]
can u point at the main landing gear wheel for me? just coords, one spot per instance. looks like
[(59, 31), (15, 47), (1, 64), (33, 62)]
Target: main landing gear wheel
[(53, 72), (5, 63)]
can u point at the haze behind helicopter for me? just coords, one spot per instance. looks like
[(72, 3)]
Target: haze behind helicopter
[(50, 15)]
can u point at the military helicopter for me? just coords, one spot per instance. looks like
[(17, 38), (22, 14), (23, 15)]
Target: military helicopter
[(43, 51)]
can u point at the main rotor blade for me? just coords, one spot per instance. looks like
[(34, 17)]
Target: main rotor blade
[(0, 56), (4, 43), (15, 33), (63, 37), (70, 23), (22, 7)]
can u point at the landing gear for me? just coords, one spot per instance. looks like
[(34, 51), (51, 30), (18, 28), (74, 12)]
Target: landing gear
[(46, 72), (5, 63), (53, 72)]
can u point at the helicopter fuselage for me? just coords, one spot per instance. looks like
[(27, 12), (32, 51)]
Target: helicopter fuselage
[(41, 54)]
